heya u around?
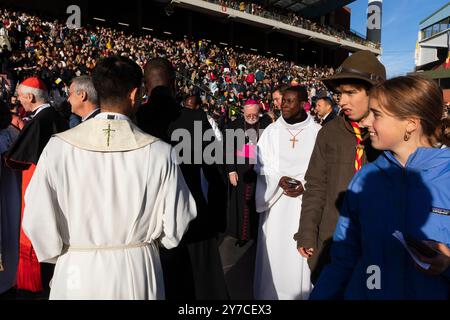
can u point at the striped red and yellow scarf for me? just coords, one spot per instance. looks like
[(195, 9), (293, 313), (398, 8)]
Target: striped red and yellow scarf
[(359, 146)]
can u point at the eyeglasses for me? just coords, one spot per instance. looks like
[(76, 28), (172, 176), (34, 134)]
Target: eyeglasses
[(251, 116)]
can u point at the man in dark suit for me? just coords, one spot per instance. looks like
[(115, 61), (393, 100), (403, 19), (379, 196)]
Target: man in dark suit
[(193, 270), (324, 110), (83, 98)]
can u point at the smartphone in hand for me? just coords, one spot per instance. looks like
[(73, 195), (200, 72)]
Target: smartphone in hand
[(421, 247), (293, 183)]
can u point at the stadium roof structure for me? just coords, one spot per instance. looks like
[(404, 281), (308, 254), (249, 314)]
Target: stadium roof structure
[(215, 8), (436, 16), (310, 8)]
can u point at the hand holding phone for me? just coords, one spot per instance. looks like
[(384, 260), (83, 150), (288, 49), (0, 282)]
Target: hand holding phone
[(421, 247), (293, 183), (291, 187)]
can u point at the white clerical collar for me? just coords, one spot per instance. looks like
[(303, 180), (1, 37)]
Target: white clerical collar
[(296, 126), (325, 116), (112, 116), (39, 109), (87, 116)]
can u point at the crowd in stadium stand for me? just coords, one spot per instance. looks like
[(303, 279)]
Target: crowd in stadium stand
[(293, 19), (149, 200), (224, 77)]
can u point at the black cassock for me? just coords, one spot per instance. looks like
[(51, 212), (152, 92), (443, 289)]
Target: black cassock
[(193, 270), (33, 138), (242, 218)]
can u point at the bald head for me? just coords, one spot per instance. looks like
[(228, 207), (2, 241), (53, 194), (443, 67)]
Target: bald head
[(159, 72)]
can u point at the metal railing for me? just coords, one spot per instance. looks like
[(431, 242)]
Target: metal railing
[(294, 20)]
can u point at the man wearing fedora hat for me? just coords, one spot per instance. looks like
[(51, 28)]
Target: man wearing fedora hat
[(341, 149)]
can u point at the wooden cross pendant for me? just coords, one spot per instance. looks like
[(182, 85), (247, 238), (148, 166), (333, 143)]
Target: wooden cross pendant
[(108, 133), (293, 140)]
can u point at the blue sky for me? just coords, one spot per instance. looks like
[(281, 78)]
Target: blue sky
[(400, 27)]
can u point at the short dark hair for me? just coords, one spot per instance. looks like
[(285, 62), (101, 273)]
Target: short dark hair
[(197, 99), (163, 68), (358, 83), (328, 100), (114, 77), (280, 88), (300, 91)]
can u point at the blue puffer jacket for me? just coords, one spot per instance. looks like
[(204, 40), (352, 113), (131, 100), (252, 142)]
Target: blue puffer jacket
[(384, 197)]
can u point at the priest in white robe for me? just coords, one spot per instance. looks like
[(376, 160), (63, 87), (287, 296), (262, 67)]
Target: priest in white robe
[(284, 151), (105, 196)]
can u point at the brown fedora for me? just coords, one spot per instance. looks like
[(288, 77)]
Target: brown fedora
[(362, 65)]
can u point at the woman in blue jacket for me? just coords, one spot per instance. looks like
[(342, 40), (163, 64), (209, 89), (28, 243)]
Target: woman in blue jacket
[(406, 189)]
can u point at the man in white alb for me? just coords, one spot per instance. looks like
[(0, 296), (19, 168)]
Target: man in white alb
[(284, 150), (104, 196)]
